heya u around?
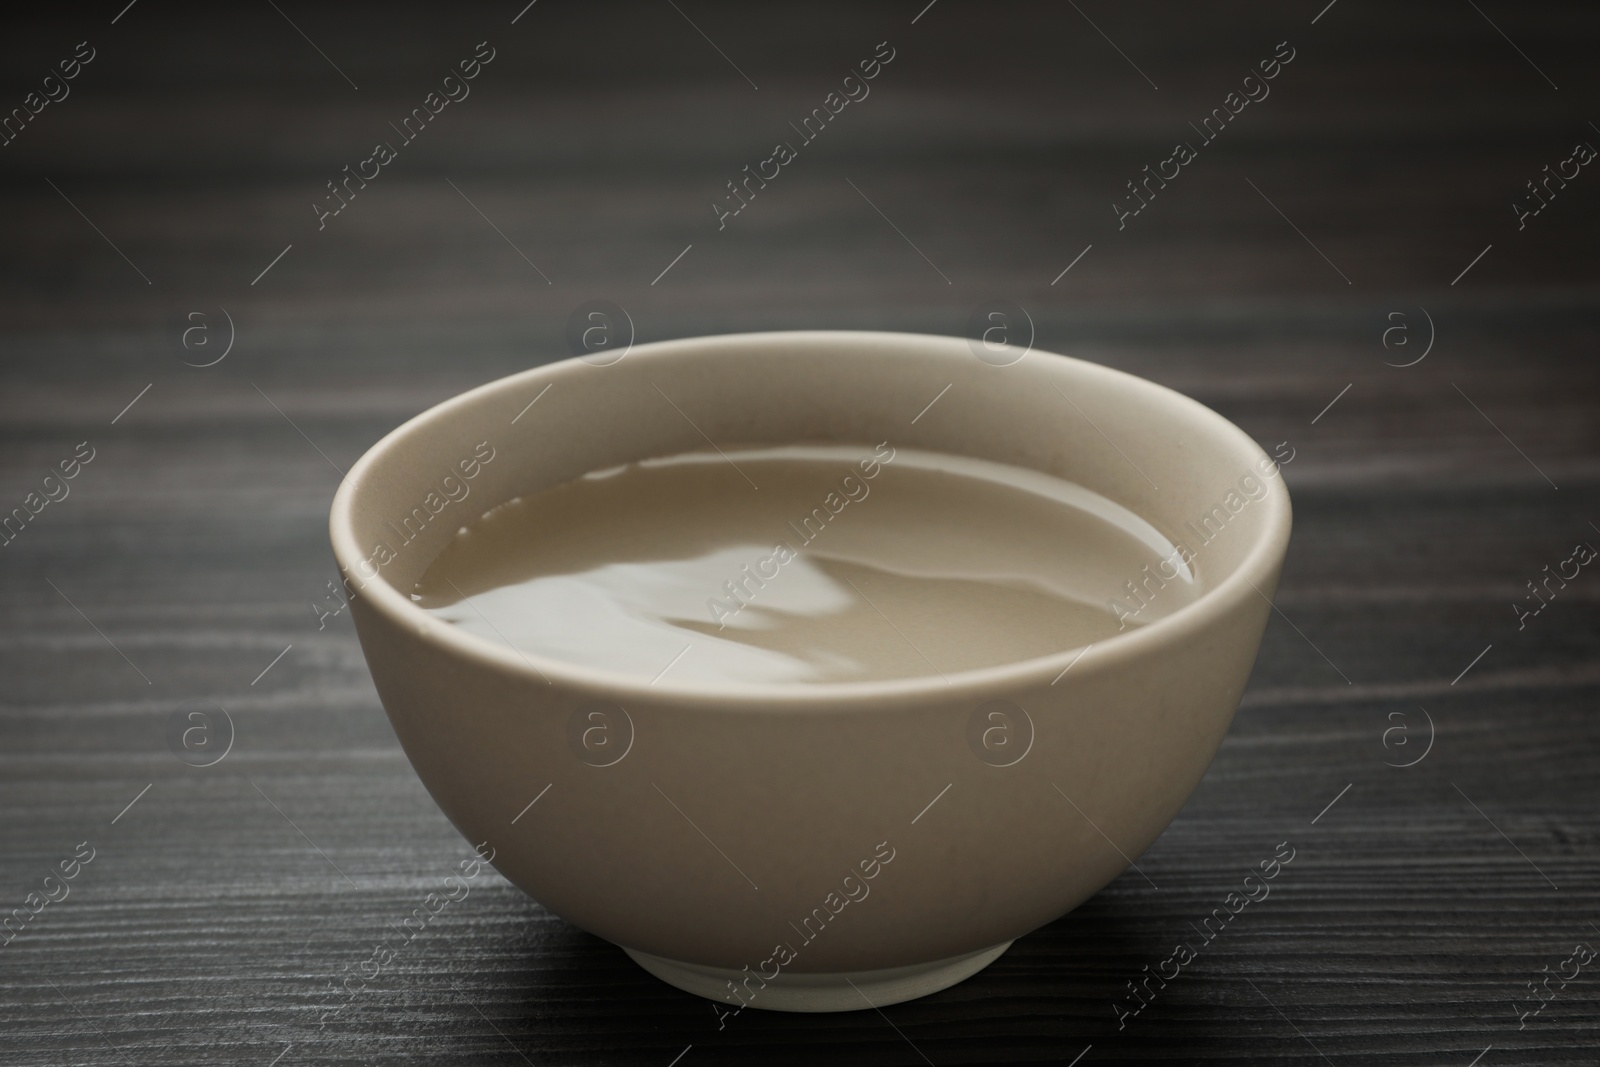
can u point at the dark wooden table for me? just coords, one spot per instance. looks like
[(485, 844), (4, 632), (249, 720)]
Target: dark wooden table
[(171, 190)]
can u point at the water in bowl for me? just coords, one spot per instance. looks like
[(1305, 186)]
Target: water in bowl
[(805, 564)]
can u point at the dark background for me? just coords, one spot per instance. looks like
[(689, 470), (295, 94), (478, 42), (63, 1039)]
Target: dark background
[(192, 549)]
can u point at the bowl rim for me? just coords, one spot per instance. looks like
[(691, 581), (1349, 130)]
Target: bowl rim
[(1254, 571)]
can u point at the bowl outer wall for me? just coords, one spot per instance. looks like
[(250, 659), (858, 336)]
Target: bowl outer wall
[(727, 825)]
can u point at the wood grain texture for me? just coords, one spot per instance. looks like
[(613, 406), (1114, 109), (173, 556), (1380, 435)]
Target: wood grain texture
[(220, 908)]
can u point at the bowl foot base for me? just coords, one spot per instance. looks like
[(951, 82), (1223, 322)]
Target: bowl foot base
[(835, 991)]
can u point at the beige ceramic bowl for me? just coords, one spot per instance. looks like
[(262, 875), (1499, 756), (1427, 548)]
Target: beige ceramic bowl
[(825, 847)]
